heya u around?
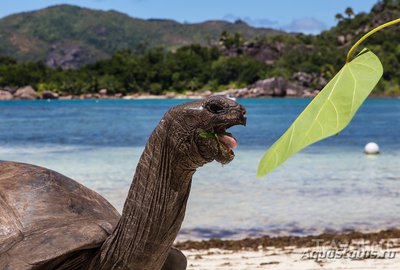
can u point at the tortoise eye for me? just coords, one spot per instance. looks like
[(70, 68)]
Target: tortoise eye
[(215, 108)]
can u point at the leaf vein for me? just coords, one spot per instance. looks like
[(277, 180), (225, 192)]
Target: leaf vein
[(322, 127), (323, 105), (354, 90), (337, 113), (290, 139), (364, 65)]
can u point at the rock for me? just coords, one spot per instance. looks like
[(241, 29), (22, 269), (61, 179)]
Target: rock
[(291, 92), (49, 95), (5, 95), (26, 92), (68, 55), (349, 37), (341, 39), (312, 80), (320, 82), (262, 51), (207, 93), (272, 87), (103, 92), (11, 89), (310, 93), (89, 96), (267, 53), (275, 87), (296, 90), (170, 95), (303, 78), (69, 97)]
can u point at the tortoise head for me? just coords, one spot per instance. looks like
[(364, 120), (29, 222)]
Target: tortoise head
[(201, 127)]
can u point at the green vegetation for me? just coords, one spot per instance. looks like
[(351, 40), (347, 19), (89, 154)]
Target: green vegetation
[(92, 35), (110, 50), (156, 71)]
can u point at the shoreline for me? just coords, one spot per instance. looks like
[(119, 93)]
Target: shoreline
[(262, 89), (355, 250), (178, 97)]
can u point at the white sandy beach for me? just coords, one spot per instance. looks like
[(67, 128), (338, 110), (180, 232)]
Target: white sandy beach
[(289, 258)]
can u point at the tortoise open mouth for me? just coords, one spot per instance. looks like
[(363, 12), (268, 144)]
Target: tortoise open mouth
[(226, 140), (226, 143), (216, 143), (223, 142)]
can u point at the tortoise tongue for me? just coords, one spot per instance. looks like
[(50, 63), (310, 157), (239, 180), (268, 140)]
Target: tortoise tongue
[(227, 140)]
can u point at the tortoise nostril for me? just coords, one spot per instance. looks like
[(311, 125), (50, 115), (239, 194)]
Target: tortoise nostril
[(243, 111), (244, 115)]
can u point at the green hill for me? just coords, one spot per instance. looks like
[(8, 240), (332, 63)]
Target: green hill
[(70, 36)]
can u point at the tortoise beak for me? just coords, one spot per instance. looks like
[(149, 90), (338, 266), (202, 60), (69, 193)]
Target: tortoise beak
[(239, 116), (243, 116)]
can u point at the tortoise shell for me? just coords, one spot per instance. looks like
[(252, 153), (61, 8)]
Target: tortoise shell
[(45, 215)]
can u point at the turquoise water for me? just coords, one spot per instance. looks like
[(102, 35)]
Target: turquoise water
[(331, 186)]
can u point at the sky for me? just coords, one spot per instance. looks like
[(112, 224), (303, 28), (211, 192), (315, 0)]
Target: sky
[(307, 16)]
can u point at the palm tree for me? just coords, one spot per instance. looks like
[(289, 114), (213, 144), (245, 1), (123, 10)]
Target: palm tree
[(349, 12), (339, 17)]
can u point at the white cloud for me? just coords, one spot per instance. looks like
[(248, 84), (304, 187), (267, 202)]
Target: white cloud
[(306, 25)]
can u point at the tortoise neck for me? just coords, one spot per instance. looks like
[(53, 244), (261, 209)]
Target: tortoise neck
[(154, 209)]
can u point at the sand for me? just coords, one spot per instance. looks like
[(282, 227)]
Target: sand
[(353, 250), (279, 259)]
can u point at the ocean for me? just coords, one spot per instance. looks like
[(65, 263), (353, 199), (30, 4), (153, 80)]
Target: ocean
[(331, 186)]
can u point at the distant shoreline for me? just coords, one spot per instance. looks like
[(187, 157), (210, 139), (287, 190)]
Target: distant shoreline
[(275, 87), (172, 97)]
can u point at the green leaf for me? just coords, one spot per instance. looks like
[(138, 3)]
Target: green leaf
[(207, 135), (329, 112)]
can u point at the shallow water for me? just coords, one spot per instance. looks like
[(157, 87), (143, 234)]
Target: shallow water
[(331, 186)]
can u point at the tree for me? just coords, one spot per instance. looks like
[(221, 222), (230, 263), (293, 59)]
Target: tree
[(231, 41), (339, 17), (349, 12)]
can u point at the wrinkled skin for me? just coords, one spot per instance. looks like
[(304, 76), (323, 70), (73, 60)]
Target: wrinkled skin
[(142, 237)]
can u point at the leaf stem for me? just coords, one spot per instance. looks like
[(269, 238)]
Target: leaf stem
[(367, 35)]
